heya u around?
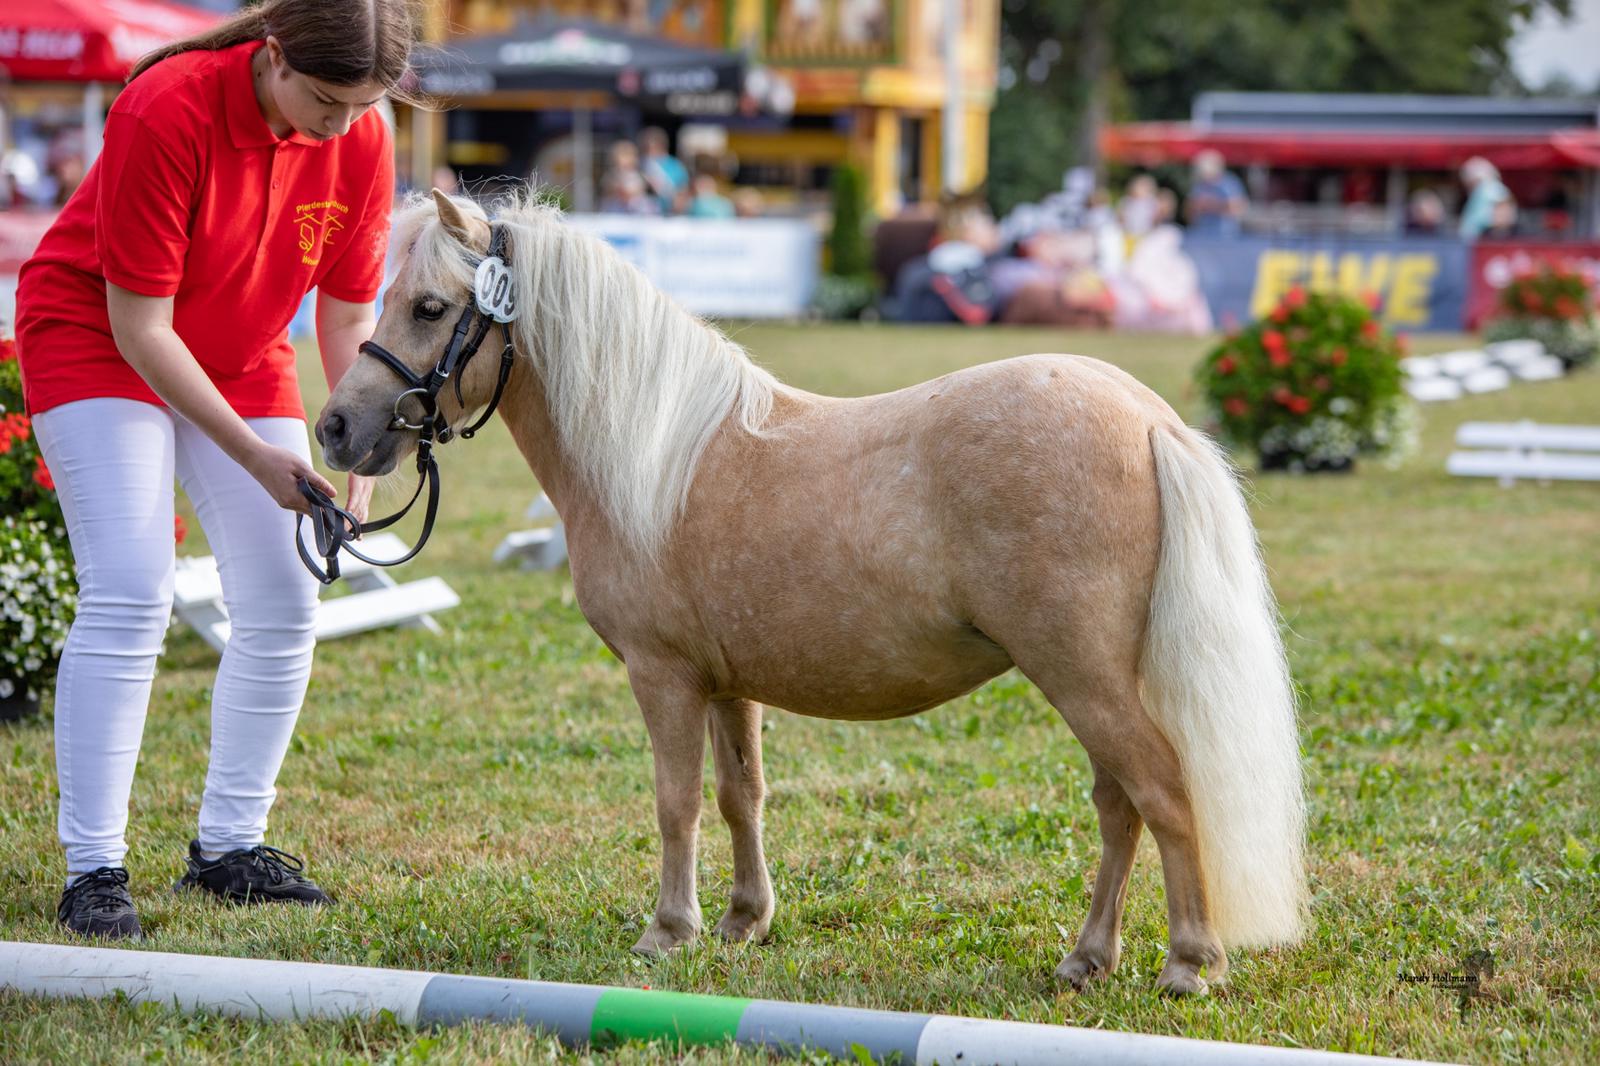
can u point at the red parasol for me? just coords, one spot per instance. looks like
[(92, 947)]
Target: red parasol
[(88, 40)]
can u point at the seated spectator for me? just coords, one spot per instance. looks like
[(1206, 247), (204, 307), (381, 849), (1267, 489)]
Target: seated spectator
[(625, 194), (1140, 209), (707, 201), (1503, 221), (952, 282), (748, 203), (1167, 203), (967, 277), (1425, 214), (1160, 288), (1484, 192), (1063, 286), (1111, 246), (621, 158), (664, 173), (1216, 198)]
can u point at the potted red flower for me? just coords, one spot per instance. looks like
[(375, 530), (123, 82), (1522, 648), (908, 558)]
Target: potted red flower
[(1553, 305), (1311, 386)]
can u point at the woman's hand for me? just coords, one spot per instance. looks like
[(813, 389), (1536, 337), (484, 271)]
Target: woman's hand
[(359, 499), (279, 471)]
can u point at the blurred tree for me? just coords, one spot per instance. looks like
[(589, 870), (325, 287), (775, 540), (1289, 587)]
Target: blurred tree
[(1068, 66), (849, 253)]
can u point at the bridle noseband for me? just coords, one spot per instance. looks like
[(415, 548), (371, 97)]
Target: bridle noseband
[(334, 527)]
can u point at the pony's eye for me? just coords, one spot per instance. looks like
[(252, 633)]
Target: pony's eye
[(428, 309)]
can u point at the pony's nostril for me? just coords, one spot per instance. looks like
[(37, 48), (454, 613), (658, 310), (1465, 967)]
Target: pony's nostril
[(332, 429)]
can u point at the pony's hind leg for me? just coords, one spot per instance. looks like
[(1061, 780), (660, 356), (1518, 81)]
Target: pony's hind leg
[(675, 715), (1111, 722), (1100, 942), (736, 751)]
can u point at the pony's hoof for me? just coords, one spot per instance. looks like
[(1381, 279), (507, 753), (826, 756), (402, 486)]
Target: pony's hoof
[(658, 940), (737, 927), (1079, 970), (1181, 980)]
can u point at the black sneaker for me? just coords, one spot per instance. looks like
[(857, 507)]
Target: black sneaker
[(251, 875), (98, 904)]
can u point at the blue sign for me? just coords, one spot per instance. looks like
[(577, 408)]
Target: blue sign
[(1420, 283)]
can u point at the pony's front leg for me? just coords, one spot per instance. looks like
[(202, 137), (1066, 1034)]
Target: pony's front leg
[(675, 714), (736, 751)]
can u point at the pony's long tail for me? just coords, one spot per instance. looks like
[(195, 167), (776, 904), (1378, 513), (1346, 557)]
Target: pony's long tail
[(1217, 684)]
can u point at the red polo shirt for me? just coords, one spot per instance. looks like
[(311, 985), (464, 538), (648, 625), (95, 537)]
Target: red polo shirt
[(195, 198)]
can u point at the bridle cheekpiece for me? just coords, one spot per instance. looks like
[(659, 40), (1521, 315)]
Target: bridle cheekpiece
[(492, 304)]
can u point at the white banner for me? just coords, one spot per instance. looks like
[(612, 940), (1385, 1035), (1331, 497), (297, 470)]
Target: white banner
[(733, 268)]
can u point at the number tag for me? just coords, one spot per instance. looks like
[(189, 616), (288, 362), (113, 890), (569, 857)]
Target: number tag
[(492, 286)]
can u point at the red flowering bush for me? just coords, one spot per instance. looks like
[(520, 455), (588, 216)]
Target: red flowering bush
[(1552, 305), (38, 592), (38, 589), (1310, 386), (26, 488), (1549, 292)]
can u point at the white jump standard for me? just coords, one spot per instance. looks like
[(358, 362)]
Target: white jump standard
[(591, 1015)]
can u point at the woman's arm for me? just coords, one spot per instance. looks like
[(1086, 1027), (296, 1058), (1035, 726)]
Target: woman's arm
[(142, 329), (341, 328)]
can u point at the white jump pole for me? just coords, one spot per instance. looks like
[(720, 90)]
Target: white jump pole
[(591, 1015)]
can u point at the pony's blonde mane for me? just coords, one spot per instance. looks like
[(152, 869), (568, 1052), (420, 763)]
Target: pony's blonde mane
[(636, 386)]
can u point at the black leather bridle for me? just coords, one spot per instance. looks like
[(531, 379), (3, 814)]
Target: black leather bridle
[(333, 527)]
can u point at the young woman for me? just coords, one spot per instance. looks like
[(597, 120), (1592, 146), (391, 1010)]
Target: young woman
[(240, 170)]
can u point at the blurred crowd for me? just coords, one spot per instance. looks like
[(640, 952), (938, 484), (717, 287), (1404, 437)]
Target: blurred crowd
[(645, 178), (41, 171), (1217, 201), (1078, 257), (1074, 258)]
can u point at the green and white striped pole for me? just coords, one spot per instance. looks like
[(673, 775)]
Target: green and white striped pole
[(592, 1015)]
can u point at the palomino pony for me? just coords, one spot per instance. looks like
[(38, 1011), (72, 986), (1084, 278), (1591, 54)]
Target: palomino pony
[(737, 542)]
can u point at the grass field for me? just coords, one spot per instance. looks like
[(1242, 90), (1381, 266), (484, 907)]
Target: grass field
[(481, 801)]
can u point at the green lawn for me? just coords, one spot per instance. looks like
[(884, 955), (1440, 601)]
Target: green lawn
[(481, 801)]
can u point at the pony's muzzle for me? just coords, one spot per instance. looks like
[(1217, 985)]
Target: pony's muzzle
[(336, 432), (331, 429)]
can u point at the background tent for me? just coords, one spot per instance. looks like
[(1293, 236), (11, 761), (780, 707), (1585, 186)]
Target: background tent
[(89, 41)]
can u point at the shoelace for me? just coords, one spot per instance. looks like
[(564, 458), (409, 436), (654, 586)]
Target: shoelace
[(280, 866), (99, 888)]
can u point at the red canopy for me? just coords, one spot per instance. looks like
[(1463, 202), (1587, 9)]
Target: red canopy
[(1150, 143), (88, 40)]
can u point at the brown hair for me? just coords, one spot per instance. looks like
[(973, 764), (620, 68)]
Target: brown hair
[(342, 42)]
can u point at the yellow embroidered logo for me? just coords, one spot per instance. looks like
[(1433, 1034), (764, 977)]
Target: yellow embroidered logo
[(318, 222)]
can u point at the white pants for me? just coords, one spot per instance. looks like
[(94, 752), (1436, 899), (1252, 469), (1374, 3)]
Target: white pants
[(113, 461)]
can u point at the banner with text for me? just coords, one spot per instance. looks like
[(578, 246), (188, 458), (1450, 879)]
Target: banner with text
[(1421, 284), (734, 268), (1495, 263)]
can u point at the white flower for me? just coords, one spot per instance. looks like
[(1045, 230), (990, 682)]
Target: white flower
[(6, 688)]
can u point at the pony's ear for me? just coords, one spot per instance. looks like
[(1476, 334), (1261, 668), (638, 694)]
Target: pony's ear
[(472, 232)]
